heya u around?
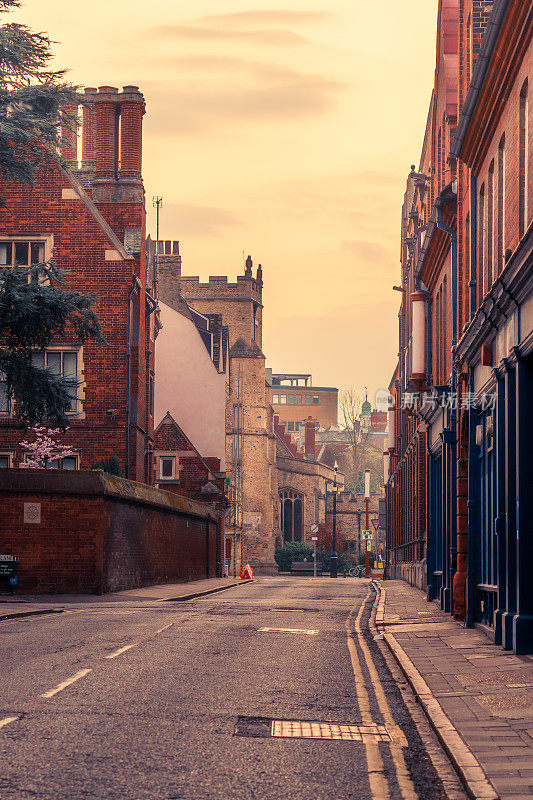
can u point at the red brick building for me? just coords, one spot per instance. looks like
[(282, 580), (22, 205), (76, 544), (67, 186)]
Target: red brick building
[(464, 376), (90, 218)]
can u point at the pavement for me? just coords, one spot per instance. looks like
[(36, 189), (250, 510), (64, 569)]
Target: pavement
[(477, 696), (25, 605), (272, 690)]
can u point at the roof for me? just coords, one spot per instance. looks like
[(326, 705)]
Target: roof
[(243, 350)]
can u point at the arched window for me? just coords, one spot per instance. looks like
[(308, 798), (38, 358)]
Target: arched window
[(292, 515)]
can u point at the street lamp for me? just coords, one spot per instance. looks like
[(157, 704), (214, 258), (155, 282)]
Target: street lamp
[(333, 563), (367, 502)]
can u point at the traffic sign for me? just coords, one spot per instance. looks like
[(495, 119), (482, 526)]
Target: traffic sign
[(369, 545), (367, 534), (314, 528), (375, 523)]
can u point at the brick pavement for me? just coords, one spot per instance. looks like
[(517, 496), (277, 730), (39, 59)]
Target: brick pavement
[(485, 691)]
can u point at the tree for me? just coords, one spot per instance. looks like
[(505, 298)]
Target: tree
[(34, 310), (44, 448), (364, 452), (33, 102), (33, 307)]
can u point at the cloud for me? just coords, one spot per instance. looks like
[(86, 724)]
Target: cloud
[(268, 17), (185, 219), (198, 33), (191, 107), (372, 253)]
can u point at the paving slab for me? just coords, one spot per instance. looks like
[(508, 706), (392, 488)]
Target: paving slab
[(477, 695)]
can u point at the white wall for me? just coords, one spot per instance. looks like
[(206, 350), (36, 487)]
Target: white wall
[(188, 385)]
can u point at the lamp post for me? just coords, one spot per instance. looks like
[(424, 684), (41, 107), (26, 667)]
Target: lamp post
[(367, 525), (313, 539), (334, 559)]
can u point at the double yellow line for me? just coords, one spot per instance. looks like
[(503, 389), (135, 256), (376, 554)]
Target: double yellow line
[(377, 775)]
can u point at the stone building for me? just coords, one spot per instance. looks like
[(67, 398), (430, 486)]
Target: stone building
[(265, 470)]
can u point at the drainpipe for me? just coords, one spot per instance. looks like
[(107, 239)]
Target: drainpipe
[(134, 287), (473, 245), (450, 437)]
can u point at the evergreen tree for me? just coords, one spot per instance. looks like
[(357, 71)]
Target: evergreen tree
[(33, 100), (34, 308)]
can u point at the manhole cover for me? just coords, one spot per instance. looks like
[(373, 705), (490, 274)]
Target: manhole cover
[(304, 729)]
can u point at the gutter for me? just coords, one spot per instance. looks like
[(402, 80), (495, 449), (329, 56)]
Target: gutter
[(487, 49)]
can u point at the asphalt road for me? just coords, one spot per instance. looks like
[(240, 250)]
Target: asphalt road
[(175, 700)]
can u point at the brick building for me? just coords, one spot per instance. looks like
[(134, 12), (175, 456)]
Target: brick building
[(89, 216), (464, 374), (293, 397)]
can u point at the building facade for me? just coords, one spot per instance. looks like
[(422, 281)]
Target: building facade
[(293, 398), (464, 374), (88, 215)]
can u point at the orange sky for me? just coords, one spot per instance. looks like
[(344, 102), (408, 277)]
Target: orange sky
[(282, 130)]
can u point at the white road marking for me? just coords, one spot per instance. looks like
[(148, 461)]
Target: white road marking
[(166, 626), (291, 630), (81, 674), (6, 720), (121, 650)]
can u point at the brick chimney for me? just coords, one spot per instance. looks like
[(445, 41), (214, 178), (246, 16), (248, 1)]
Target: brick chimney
[(69, 136), (107, 117), (88, 151), (131, 115), (310, 443)]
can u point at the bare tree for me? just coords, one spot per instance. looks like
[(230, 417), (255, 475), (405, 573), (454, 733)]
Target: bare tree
[(364, 453)]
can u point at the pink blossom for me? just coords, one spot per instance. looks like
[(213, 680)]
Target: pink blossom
[(44, 448)]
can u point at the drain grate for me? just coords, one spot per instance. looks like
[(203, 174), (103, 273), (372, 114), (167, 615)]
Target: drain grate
[(297, 729), (304, 729)]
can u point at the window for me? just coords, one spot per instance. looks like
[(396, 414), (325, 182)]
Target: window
[(62, 364), (69, 462), (308, 399), (5, 405), (290, 426), (490, 225), (315, 400), (297, 426), (294, 399), (21, 253), (167, 466), (5, 460), (291, 507), (499, 261), (283, 399), (481, 245), (523, 166), (275, 399)]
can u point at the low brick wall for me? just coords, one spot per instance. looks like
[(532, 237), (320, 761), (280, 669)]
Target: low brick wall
[(89, 532)]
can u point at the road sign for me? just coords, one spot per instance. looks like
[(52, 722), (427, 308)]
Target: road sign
[(314, 528), (367, 534), (375, 523), (369, 545)]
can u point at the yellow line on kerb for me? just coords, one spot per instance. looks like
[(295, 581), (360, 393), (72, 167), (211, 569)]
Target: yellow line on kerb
[(376, 774), (380, 788)]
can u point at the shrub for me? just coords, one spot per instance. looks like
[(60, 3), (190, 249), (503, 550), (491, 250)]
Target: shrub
[(343, 562), (292, 551), (110, 465)]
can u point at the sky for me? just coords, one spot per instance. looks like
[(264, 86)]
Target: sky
[(280, 128)]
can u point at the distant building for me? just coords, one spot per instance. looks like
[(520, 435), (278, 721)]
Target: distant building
[(294, 397)]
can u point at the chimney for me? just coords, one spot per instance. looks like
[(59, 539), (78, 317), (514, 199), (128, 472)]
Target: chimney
[(310, 443), (69, 136), (106, 134), (132, 109), (88, 152)]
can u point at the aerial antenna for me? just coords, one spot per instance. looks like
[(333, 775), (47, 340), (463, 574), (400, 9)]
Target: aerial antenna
[(157, 203)]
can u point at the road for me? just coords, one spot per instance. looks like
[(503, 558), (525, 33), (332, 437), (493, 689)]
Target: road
[(160, 701)]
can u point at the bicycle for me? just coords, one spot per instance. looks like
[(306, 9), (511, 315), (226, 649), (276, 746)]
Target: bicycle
[(356, 572)]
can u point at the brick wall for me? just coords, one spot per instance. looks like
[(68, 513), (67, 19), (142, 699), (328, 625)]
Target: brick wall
[(99, 533)]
